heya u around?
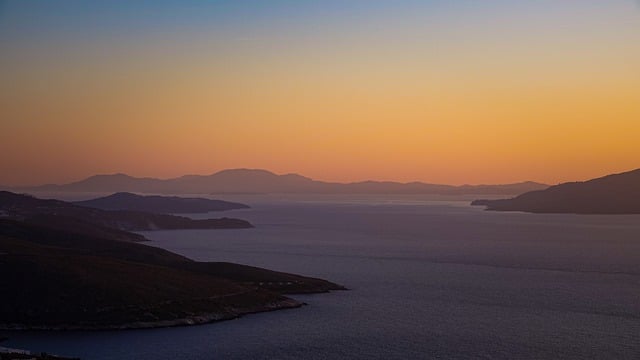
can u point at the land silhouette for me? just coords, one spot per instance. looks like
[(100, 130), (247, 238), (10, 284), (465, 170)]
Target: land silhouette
[(28, 208), (263, 181), (62, 269), (611, 194), (160, 204)]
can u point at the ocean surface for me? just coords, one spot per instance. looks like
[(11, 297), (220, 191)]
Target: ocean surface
[(428, 279)]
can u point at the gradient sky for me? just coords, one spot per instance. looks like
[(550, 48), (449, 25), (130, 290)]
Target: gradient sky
[(438, 91)]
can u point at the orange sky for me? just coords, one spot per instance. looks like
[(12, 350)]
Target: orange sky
[(463, 94)]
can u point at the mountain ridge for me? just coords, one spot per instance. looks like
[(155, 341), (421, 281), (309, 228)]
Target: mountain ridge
[(244, 180)]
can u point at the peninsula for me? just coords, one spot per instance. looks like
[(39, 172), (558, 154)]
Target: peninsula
[(611, 194), (28, 208), (54, 277)]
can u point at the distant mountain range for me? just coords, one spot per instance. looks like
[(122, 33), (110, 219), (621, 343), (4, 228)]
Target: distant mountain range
[(612, 194), (262, 181)]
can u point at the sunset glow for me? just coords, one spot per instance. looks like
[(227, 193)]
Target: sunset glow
[(437, 91)]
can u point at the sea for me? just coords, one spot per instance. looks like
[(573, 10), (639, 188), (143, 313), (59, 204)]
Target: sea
[(428, 278)]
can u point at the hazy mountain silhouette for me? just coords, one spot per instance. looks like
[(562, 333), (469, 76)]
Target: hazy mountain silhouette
[(612, 194), (262, 181), (159, 204)]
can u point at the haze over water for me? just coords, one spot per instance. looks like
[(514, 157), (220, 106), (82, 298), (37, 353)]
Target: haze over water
[(428, 279)]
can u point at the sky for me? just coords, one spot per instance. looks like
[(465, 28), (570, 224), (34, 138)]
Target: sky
[(453, 92)]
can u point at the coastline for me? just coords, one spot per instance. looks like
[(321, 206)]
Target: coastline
[(200, 319)]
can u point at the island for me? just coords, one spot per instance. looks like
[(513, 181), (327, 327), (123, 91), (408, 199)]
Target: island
[(612, 194), (160, 204)]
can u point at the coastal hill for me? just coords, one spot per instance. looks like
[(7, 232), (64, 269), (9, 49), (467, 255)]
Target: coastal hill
[(55, 278), (612, 194), (159, 204), (263, 181), (25, 207)]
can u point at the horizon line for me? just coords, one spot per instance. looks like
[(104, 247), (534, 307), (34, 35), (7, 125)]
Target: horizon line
[(307, 177), (277, 174)]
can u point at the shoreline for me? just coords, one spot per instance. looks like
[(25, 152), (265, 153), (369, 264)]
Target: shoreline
[(201, 319)]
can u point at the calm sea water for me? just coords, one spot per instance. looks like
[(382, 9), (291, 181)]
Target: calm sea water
[(428, 279)]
